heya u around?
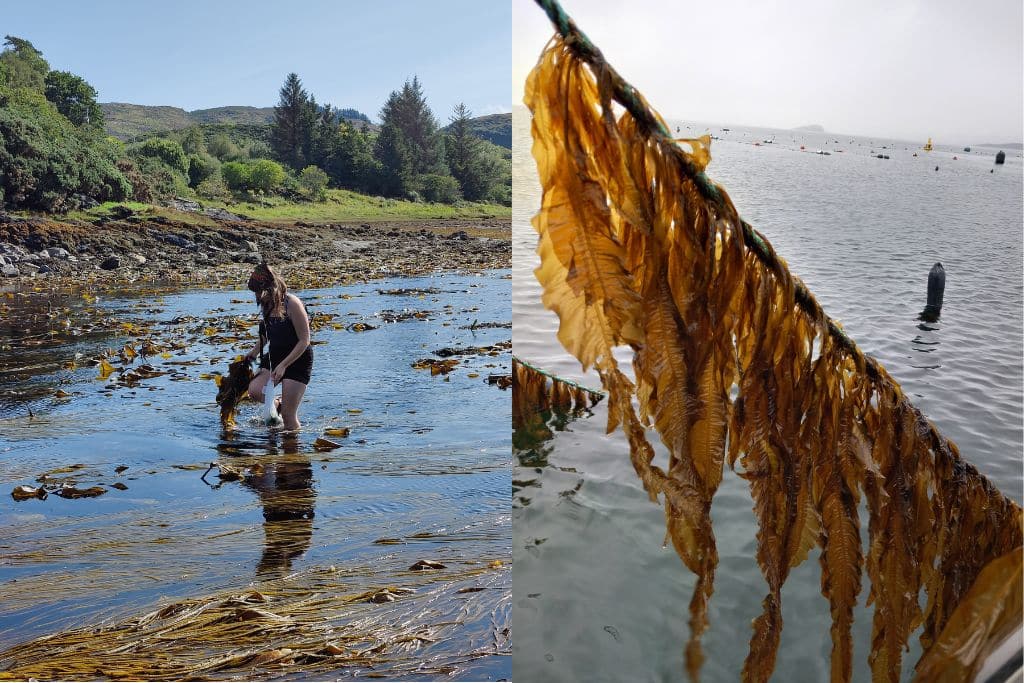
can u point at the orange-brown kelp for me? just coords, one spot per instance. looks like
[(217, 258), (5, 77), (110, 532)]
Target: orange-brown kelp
[(233, 388), (735, 361), (535, 391)]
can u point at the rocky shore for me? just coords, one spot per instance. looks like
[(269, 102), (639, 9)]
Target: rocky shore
[(156, 249)]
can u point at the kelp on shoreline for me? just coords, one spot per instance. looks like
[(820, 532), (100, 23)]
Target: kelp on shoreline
[(735, 361), (323, 620)]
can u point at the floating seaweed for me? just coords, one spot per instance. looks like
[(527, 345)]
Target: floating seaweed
[(736, 362)]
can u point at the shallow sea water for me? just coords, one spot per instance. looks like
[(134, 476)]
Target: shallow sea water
[(596, 595), (426, 463)]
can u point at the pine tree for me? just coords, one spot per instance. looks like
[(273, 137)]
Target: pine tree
[(465, 155), (291, 131), (409, 144)]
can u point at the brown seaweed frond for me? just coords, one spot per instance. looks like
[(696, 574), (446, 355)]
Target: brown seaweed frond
[(233, 389), (734, 360)]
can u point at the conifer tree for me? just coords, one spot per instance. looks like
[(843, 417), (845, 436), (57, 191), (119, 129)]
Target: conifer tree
[(291, 131), (409, 144), (466, 158)]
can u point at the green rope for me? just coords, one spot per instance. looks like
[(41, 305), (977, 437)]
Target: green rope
[(555, 378), (626, 95)]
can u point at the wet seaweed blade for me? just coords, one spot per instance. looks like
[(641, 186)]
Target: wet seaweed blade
[(735, 360)]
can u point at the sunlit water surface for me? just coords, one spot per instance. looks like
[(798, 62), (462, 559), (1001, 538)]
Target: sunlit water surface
[(596, 595), (426, 462)]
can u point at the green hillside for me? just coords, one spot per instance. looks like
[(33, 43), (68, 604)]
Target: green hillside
[(128, 121), (495, 128)]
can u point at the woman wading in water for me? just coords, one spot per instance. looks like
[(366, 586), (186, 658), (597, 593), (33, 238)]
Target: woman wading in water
[(285, 325)]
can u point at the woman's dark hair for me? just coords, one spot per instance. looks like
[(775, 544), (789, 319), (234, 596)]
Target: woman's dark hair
[(269, 289)]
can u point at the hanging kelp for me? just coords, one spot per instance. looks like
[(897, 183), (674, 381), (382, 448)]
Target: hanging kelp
[(535, 391), (537, 397), (735, 361)]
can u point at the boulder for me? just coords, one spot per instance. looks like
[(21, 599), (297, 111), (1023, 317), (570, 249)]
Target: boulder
[(137, 258), (84, 201), (251, 246), (182, 204), (178, 241), (58, 252), (110, 263), (222, 215), (121, 212), (8, 270), (458, 235)]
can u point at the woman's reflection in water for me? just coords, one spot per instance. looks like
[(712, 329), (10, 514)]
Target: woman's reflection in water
[(286, 492)]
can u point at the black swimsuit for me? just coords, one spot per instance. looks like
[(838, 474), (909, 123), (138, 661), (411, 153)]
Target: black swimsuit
[(283, 338)]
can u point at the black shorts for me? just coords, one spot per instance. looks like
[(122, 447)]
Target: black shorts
[(300, 371)]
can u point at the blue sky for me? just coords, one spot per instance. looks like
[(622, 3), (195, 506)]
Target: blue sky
[(199, 54)]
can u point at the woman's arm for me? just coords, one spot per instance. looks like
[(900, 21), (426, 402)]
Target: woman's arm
[(297, 314)]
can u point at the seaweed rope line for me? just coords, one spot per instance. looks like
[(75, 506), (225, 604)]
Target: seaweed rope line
[(556, 378), (651, 126)]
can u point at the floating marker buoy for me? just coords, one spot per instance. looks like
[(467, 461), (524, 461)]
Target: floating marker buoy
[(936, 287), (936, 168), (954, 158), (1001, 157)]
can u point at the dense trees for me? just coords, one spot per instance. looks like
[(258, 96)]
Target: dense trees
[(22, 65), (407, 157), (74, 98), (54, 153), (50, 150)]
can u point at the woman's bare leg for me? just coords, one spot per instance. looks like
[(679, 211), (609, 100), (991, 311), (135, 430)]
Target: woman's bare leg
[(258, 384), (291, 396)]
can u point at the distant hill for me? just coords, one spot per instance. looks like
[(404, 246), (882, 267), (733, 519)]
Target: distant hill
[(812, 128), (126, 121), (1006, 145), (495, 128)]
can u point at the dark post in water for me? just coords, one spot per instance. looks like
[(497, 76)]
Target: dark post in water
[(936, 287), (1001, 157)]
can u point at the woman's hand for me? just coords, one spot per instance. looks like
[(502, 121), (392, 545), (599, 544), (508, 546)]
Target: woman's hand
[(278, 374)]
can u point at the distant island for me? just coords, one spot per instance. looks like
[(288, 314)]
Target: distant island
[(812, 128), (1005, 145)]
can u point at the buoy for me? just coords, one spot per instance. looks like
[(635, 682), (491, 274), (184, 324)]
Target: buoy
[(954, 158), (936, 288), (967, 149), (936, 168), (1001, 157)]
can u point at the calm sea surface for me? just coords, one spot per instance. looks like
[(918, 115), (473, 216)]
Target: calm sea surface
[(596, 595), (426, 465)]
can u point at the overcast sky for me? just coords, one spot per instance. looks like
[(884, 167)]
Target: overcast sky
[(951, 70), (197, 54)]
